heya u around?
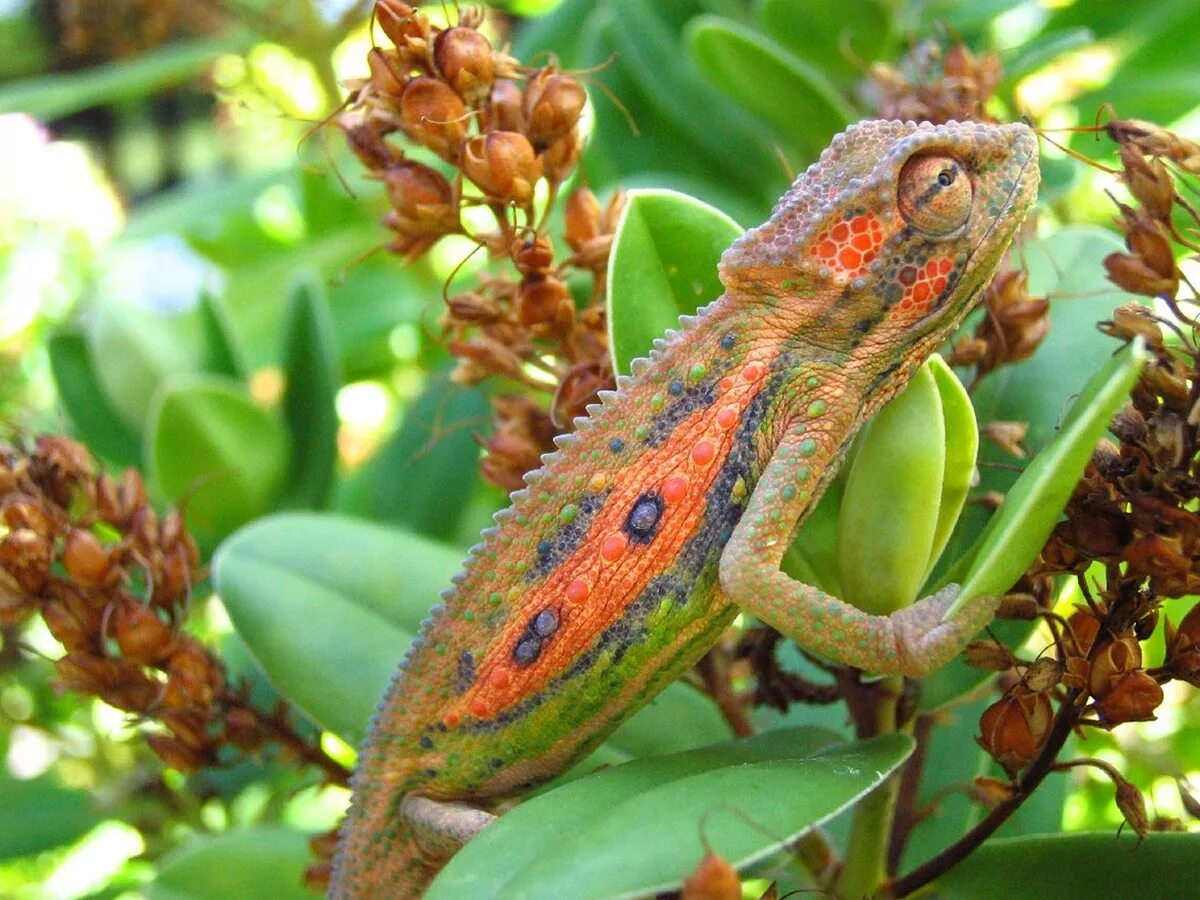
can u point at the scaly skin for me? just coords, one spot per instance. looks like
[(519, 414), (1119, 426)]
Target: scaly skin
[(632, 547)]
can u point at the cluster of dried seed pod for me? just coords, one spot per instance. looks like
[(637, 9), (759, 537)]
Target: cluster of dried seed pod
[(497, 129), (935, 86), (112, 581), (1012, 328)]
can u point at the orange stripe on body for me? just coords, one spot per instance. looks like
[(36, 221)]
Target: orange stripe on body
[(591, 588)]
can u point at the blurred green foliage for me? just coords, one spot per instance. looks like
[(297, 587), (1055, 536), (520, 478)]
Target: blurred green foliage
[(196, 296)]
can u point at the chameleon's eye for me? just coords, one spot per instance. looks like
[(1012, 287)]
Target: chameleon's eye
[(934, 194)]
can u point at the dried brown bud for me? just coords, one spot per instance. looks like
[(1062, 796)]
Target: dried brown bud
[(366, 140), (578, 388), (1132, 319), (1112, 661), (59, 465), (582, 217), (85, 558), (26, 556), (545, 301), (505, 107), (433, 115), (243, 730), (713, 879), (473, 309), (1014, 728), (1154, 140), (1043, 675), (176, 754), (141, 634), (1148, 181), (991, 791), (503, 165), (464, 57), (23, 511), (523, 433), (553, 105), (424, 203), (1008, 436), (989, 655), (533, 255), (386, 74), (1020, 606), (66, 626), (1084, 628), (1133, 698), (398, 21), (1132, 805), (1129, 425), (1183, 647)]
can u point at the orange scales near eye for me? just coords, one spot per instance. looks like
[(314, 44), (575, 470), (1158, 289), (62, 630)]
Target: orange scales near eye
[(850, 246)]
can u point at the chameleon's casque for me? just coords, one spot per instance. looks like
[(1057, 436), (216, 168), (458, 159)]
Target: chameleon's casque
[(672, 504)]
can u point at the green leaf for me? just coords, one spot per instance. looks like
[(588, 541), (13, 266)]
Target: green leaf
[(640, 828), (133, 350), (889, 512), (49, 97), (222, 355), (1031, 509), (328, 606), (97, 423), (237, 865), (962, 447), (425, 476), (37, 815), (834, 38), (207, 442), (663, 265), (1164, 866), (765, 78), (310, 365), (1043, 49)]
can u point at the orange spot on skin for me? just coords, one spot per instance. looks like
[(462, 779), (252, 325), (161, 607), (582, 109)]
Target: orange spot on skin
[(862, 242), (860, 224), (752, 372), (850, 258), (479, 707), (945, 266), (500, 678), (578, 590), (613, 547), (727, 416), (704, 453), (840, 231), (939, 285), (726, 384), (920, 292), (674, 489), (452, 719), (826, 249)]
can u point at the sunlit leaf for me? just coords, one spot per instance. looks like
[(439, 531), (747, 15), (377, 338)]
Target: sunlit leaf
[(236, 865)]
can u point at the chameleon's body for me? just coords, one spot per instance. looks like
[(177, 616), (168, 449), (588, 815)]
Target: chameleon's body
[(623, 560)]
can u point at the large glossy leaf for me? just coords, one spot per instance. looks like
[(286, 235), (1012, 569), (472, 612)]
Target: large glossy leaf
[(663, 265), (639, 828), (37, 815), (237, 865), (1164, 866), (328, 606), (208, 444), (764, 77), (424, 477), (310, 364), (96, 420), (889, 513), (836, 38)]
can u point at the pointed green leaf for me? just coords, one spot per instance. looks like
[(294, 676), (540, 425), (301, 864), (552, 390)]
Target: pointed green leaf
[(663, 265), (889, 513), (1018, 530), (236, 865), (37, 815), (640, 828), (96, 420), (222, 355), (765, 78), (310, 364), (208, 444)]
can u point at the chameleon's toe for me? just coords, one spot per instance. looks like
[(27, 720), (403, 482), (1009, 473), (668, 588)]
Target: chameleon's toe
[(926, 640)]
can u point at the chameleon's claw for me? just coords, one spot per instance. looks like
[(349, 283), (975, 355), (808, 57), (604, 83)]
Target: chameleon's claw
[(925, 641)]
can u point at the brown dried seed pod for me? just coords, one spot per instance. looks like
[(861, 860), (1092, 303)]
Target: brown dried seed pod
[(714, 879), (386, 74), (398, 20), (434, 116), (85, 558), (553, 105), (141, 634), (1112, 661), (1132, 319), (1015, 727), (505, 107), (26, 556), (175, 754), (581, 216), (533, 255), (68, 630), (1131, 274), (560, 158), (1148, 181), (988, 655), (424, 203), (21, 510), (540, 300), (464, 57), (503, 165), (1133, 698)]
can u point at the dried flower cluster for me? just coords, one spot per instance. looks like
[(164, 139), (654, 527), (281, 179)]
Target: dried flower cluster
[(935, 86), (1132, 515), (1013, 326), (498, 129), (112, 580)]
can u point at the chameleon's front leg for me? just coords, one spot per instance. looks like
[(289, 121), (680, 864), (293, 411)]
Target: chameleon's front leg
[(913, 641)]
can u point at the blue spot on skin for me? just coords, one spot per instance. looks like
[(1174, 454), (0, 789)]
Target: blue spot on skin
[(727, 342), (676, 388), (527, 651), (426, 743), (616, 445), (545, 623), (544, 547)]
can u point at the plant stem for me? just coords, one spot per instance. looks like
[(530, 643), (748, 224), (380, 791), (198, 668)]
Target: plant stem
[(870, 830)]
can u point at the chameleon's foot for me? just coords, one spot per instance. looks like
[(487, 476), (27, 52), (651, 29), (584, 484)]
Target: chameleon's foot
[(441, 827), (924, 642)]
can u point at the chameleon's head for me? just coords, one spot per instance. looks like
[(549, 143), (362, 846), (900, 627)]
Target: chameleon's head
[(896, 228)]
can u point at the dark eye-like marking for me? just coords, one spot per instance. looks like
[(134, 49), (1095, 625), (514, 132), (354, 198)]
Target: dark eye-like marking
[(934, 194), (642, 523)]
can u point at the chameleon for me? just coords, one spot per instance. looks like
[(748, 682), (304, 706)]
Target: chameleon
[(670, 506)]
